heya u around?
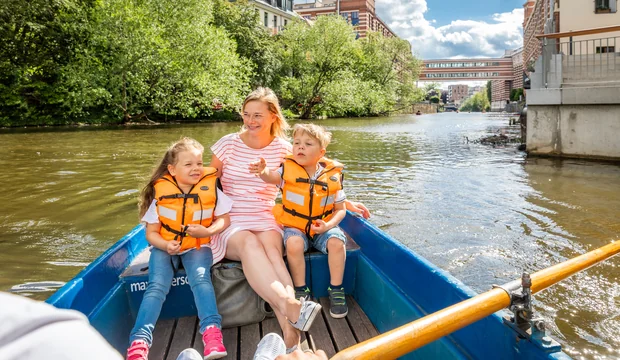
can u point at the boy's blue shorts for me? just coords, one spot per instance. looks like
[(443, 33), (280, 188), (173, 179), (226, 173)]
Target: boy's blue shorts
[(319, 241)]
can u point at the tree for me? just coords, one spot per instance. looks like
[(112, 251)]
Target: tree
[(254, 43), (477, 102), (489, 91), (313, 57)]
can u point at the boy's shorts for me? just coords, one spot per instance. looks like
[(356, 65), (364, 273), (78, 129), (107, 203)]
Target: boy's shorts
[(319, 241)]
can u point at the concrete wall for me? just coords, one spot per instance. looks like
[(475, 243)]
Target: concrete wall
[(591, 131), (425, 108)]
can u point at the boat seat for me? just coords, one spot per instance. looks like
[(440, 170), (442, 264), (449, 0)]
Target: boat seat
[(180, 301)]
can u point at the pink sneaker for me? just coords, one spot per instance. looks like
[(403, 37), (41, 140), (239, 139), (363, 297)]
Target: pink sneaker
[(139, 350), (213, 341)]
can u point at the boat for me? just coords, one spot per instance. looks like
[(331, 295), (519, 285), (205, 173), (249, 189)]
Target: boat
[(388, 286)]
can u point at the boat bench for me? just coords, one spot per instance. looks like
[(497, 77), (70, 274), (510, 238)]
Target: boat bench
[(180, 300)]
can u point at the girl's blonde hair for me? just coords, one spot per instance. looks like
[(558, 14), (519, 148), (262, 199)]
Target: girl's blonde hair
[(267, 96), (170, 158), (315, 131)]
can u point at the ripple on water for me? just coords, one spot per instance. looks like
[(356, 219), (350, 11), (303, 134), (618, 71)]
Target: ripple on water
[(126, 192), (66, 172), (38, 286)]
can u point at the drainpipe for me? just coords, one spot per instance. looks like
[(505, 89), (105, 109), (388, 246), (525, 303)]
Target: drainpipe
[(337, 7)]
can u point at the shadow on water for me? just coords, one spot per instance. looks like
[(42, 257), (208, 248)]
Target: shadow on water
[(484, 214)]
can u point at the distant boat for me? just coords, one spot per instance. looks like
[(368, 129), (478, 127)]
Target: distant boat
[(388, 285)]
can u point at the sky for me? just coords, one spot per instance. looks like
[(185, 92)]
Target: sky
[(455, 28)]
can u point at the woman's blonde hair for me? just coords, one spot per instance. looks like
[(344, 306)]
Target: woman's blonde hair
[(170, 158), (267, 96), (315, 131)]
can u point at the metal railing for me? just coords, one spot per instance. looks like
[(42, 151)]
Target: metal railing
[(566, 61)]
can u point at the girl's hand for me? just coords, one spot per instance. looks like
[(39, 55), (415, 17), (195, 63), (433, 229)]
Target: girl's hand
[(319, 226), (173, 247), (257, 167), (197, 231)]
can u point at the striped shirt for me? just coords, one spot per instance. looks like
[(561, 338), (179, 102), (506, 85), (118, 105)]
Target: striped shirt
[(252, 198)]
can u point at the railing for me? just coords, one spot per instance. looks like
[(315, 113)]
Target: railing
[(566, 61)]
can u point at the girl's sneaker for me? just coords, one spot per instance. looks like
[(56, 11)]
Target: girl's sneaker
[(138, 350), (309, 310), (270, 347), (214, 346)]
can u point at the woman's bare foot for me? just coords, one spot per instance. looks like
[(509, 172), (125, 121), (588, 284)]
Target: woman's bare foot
[(292, 306)]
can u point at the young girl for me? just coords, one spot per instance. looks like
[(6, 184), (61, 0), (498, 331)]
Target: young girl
[(182, 208)]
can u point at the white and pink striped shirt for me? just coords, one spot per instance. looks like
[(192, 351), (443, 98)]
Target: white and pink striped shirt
[(252, 198)]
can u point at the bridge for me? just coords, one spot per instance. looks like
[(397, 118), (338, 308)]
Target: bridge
[(467, 69)]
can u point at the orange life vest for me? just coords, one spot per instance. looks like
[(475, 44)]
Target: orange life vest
[(177, 209), (305, 200)]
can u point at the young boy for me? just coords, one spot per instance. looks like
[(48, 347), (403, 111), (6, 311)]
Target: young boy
[(312, 207)]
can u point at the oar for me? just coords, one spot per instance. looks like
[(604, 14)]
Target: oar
[(405, 339)]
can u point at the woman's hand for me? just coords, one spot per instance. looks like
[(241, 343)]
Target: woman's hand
[(197, 231), (173, 247), (358, 207)]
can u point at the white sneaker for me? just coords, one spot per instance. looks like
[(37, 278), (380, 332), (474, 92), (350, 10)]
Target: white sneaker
[(270, 347), (189, 354), (309, 310)]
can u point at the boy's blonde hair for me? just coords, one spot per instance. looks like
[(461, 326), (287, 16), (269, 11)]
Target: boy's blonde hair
[(315, 131), (267, 96)]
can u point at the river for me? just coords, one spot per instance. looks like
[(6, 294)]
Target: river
[(483, 213)]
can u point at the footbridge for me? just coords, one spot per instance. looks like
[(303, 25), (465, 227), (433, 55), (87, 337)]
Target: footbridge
[(467, 69)]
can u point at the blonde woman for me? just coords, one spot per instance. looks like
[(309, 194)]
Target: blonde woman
[(254, 237)]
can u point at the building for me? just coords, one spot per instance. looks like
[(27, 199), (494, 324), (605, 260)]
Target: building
[(582, 15), (359, 13), (275, 14), (456, 93), (501, 89), (538, 15)]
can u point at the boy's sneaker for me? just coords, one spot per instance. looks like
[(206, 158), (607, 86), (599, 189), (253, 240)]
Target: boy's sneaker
[(337, 303), (309, 310), (302, 293), (214, 346), (138, 350)]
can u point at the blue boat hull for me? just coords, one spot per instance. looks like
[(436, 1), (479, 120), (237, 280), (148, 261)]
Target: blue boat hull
[(391, 283)]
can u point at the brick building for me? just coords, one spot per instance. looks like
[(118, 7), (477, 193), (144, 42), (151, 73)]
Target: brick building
[(456, 93), (359, 13)]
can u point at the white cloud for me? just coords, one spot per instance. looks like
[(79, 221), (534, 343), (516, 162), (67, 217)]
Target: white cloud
[(459, 39)]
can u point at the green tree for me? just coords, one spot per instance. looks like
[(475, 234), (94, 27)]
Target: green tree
[(160, 57), (477, 102), (489, 91), (254, 43), (312, 58)]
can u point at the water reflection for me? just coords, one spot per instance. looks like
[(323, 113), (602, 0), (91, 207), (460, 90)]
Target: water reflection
[(485, 214)]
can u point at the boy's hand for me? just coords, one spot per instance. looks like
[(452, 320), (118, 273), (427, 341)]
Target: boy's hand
[(319, 226), (257, 167), (197, 231), (173, 247)]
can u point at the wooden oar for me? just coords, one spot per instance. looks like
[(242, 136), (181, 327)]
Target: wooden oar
[(405, 339)]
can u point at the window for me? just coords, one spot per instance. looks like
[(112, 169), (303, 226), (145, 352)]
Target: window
[(279, 3), (605, 49), (604, 6), (266, 19), (355, 18), (275, 21), (285, 22)]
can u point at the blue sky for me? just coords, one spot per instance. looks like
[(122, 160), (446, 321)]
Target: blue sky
[(455, 28)]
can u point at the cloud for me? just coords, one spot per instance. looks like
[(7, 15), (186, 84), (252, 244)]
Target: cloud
[(459, 39)]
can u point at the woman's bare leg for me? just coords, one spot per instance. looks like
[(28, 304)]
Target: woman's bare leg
[(245, 246), (272, 242), (260, 272)]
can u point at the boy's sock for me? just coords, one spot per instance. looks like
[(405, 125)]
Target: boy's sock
[(302, 291)]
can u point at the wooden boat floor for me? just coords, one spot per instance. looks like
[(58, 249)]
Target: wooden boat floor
[(330, 335)]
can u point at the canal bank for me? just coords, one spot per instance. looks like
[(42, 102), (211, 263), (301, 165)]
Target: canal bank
[(484, 214)]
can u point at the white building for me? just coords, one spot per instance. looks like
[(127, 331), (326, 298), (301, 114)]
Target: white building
[(275, 14)]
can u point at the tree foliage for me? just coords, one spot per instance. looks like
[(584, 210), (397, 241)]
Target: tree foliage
[(477, 102)]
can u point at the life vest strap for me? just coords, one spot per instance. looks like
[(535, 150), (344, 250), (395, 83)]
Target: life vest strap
[(295, 213), (195, 197), (179, 234), (311, 181)]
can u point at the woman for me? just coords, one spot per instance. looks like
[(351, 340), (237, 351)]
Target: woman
[(254, 237)]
